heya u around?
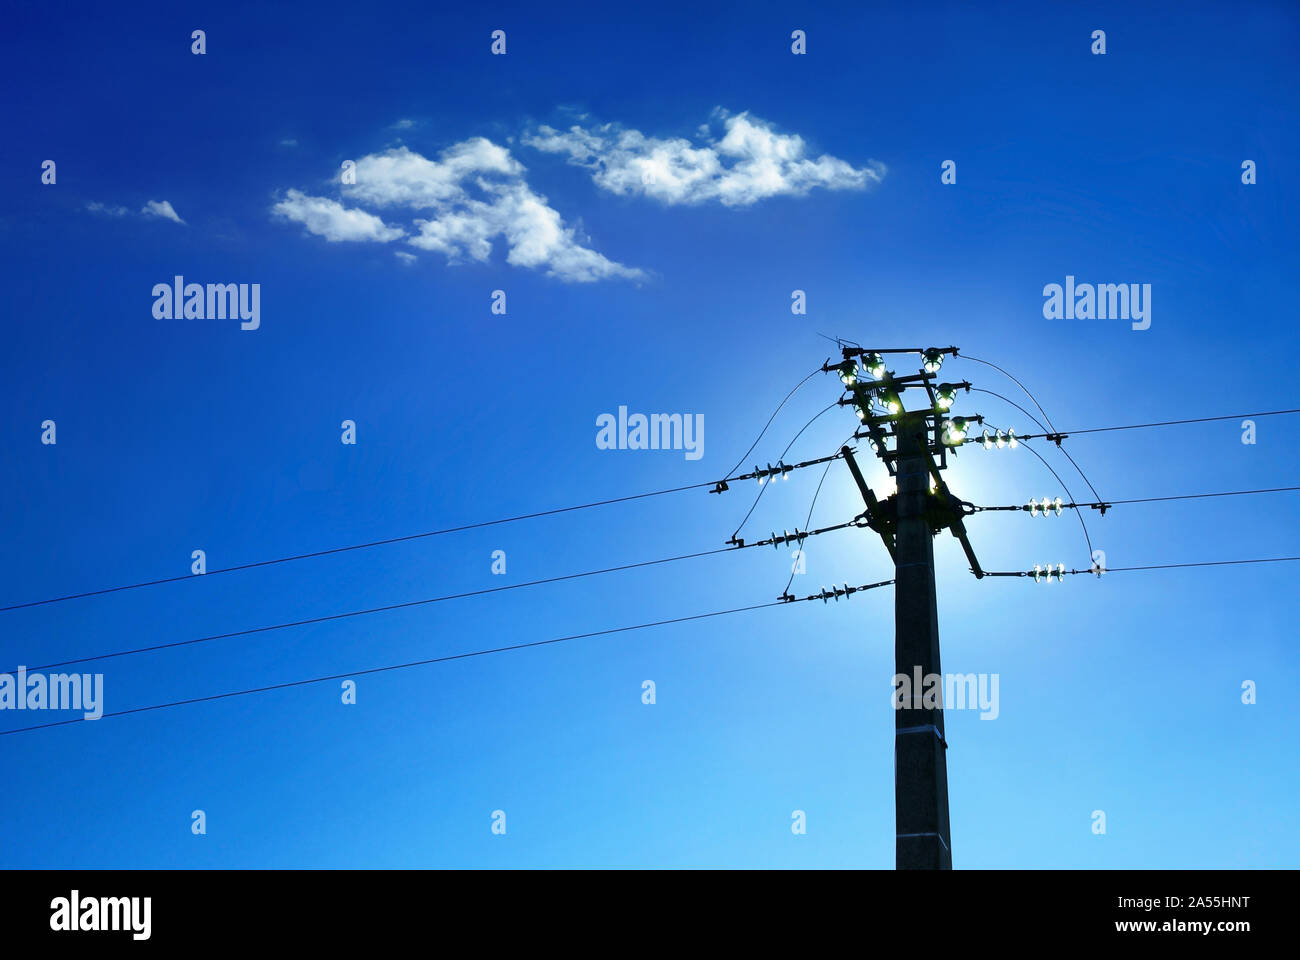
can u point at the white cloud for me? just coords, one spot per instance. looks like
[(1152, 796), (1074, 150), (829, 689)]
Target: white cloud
[(402, 177), (534, 232), (333, 221), (161, 209), (471, 195), (405, 258), (750, 162), (109, 211)]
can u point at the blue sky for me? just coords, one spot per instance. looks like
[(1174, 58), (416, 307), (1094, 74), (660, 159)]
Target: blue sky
[(1122, 695)]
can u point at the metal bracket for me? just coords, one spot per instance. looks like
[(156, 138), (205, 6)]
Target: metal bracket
[(877, 518)]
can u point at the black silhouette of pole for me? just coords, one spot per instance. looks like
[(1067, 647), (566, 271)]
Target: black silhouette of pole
[(920, 765)]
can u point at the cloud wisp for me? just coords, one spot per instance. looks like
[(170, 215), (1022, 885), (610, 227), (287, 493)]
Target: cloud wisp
[(161, 209), (158, 209)]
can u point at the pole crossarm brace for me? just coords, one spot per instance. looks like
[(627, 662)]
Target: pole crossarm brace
[(953, 509), (875, 515)]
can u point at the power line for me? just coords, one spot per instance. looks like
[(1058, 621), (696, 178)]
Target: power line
[(763, 488), (823, 596), (967, 356), (1200, 563), (1079, 514), (1081, 473), (356, 546), (1107, 504), (1077, 468), (800, 535), (1038, 423), (1149, 566), (1161, 423), (797, 386), (718, 485), (811, 507)]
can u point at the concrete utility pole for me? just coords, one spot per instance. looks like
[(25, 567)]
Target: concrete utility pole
[(907, 522), (920, 765)]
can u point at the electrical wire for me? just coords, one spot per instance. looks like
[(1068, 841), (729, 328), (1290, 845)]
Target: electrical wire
[(561, 510), (823, 596), (1077, 468), (1077, 513), (385, 542), (796, 389), (1181, 496), (763, 489), (383, 609), (1038, 423), (1149, 566), (417, 603), (1160, 423), (1034, 399), (811, 506), (1200, 563)]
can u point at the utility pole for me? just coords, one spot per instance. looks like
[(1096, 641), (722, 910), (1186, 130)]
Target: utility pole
[(920, 765), (907, 522)]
